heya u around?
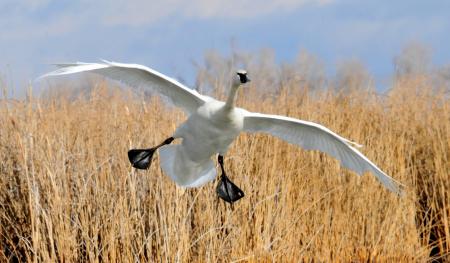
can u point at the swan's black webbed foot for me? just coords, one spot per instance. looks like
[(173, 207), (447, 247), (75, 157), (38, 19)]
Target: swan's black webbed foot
[(226, 189), (142, 158)]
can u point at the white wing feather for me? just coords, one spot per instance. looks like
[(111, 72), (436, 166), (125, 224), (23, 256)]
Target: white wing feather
[(138, 76), (313, 136)]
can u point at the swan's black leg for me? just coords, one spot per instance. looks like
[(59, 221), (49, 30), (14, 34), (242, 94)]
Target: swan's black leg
[(226, 189), (142, 158)]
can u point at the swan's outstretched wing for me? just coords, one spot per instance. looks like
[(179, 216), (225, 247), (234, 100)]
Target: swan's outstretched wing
[(313, 136), (138, 76)]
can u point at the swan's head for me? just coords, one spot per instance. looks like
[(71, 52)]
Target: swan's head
[(240, 78)]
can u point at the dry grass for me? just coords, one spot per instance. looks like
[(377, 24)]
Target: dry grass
[(68, 193)]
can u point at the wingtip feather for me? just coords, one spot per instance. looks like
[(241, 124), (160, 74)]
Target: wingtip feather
[(400, 189), (393, 185)]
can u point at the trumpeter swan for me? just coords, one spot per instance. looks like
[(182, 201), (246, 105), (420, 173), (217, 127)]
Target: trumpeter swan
[(213, 125)]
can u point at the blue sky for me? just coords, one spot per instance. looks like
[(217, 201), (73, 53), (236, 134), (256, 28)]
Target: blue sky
[(169, 35)]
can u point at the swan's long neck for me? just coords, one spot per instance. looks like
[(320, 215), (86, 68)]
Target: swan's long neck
[(231, 101)]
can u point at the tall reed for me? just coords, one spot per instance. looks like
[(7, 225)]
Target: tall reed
[(68, 193)]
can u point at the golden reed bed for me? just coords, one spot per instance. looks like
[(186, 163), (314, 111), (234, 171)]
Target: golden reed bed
[(68, 193)]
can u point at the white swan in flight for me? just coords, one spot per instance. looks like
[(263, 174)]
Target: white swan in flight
[(213, 125)]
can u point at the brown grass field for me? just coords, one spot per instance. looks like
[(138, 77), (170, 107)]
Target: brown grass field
[(68, 193)]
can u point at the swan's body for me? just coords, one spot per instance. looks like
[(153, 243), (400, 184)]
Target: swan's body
[(208, 131), (213, 125)]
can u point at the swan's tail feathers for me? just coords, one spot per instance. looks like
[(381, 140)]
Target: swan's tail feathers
[(176, 163)]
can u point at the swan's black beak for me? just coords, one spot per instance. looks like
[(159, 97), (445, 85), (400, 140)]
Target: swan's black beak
[(243, 76), (228, 191), (141, 158)]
